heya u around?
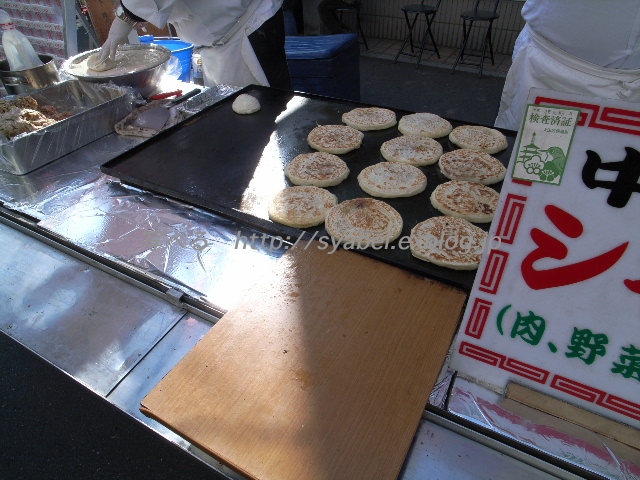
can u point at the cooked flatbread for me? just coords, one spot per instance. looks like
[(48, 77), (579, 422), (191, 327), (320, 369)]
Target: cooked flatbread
[(373, 118), (389, 180), (424, 125), (412, 149), (469, 200), (320, 169), (363, 222), (480, 138), (449, 242), (335, 139), (472, 165), (301, 207)]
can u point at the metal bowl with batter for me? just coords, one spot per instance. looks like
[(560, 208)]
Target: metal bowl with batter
[(141, 67)]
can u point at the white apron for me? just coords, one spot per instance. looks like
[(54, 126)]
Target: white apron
[(539, 63), (234, 62)]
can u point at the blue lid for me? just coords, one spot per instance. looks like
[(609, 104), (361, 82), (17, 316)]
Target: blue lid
[(172, 43), (317, 46)]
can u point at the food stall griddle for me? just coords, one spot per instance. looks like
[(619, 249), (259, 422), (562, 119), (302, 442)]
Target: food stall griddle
[(233, 164)]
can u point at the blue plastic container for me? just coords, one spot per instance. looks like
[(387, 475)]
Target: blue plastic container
[(179, 49)]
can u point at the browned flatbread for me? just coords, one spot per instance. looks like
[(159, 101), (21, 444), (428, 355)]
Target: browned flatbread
[(363, 222), (448, 242), (320, 169), (469, 200), (412, 149), (336, 139), (372, 118), (301, 207), (424, 125), (389, 180), (480, 138), (472, 165)]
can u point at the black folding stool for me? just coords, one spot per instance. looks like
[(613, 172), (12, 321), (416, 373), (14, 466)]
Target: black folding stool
[(355, 7), (477, 15), (429, 12)]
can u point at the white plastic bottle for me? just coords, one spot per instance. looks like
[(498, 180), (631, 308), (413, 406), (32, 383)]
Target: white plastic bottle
[(197, 76), (17, 48)]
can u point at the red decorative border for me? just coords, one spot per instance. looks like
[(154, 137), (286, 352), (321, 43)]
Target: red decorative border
[(519, 181), (587, 110), (622, 406), (510, 218), (493, 271), (478, 318), (576, 389), (501, 361), (482, 354), (595, 116), (525, 370), (594, 395), (563, 384)]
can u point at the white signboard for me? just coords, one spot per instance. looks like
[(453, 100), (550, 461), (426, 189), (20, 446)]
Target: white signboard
[(556, 305)]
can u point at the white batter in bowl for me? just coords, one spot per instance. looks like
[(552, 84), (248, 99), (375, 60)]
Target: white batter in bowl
[(138, 66)]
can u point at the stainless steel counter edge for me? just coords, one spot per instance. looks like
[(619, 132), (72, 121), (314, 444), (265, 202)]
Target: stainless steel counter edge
[(121, 271)]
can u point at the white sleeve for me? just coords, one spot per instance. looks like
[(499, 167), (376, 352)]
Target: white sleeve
[(156, 12)]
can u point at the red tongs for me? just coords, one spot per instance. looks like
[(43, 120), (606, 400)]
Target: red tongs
[(162, 96)]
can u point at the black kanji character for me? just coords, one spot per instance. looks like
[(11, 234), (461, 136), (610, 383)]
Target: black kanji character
[(625, 184)]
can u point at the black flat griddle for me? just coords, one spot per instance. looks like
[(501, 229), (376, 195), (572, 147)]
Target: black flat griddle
[(233, 164)]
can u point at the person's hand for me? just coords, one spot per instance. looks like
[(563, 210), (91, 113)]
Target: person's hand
[(118, 34)]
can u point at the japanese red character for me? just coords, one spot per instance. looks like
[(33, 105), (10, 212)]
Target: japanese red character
[(550, 247), (633, 285)]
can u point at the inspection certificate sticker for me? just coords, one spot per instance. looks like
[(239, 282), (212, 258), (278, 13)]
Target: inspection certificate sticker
[(545, 141)]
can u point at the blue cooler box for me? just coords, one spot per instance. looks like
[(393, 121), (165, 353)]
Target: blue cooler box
[(326, 65)]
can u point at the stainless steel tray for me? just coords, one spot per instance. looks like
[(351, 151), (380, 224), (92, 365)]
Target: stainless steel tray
[(96, 109)]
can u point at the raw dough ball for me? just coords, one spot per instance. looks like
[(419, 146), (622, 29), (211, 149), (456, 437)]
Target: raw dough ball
[(97, 66), (245, 103)]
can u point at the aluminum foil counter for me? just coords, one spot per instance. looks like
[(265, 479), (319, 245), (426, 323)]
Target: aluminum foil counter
[(86, 248)]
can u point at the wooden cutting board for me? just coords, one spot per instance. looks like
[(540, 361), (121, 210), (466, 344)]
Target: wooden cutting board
[(322, 371)]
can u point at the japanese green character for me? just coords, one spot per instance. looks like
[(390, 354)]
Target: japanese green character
[(530, 328), (586, 345), (629, 366)]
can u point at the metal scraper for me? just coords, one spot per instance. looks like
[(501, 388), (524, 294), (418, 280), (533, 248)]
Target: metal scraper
[(155, 118)]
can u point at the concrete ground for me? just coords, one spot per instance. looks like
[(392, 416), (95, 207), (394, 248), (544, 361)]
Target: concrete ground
[(431, 87)]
